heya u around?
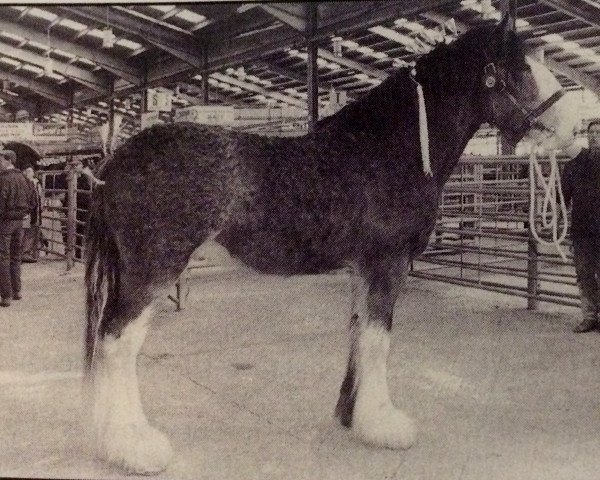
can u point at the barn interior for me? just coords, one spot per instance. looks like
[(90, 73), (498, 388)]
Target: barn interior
[(242, 370)]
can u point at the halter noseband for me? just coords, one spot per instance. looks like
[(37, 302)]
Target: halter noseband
[(528, 116)]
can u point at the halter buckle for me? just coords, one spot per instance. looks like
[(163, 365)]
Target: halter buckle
[(490, 76)]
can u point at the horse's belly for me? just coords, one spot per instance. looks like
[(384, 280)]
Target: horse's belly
[(278, 252)]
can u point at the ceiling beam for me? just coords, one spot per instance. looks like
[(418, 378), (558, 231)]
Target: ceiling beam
[(581, 78), (53, 94), (18, 102), (197, 100), (582, 10), (354, 65), (113, 64), (368, 14), (89, 79), (291, 14), (285, 72), (259, 90), (182, 46), (214, 13)]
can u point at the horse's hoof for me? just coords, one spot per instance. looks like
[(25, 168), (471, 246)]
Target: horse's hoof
[(387, 427), (139, 449)]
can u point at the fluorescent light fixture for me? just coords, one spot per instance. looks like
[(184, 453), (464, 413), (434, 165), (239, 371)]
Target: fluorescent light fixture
[(350, 44), (86, 61), (521, 23), (380, 55), (586, 52), (162, 8), (131, 45), (56, 76), (190, 16), (12, 36), (365, 50), (33, 68), (408, 25), (62, 53), (38, 45), (72, 25), (552, 38), (569, 46), (96, 32), (45, 14), (395, 37), (10, 61)]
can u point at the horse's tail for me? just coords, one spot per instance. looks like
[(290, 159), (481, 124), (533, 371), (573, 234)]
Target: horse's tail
[(101, 277)]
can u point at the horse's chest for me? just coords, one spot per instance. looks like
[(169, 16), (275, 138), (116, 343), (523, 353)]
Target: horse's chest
[(402, 210)]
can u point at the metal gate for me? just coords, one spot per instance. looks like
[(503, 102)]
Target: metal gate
[(482, 237), (65, 202)]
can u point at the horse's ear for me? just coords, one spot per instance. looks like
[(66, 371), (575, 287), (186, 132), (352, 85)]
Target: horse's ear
[(503, 32)]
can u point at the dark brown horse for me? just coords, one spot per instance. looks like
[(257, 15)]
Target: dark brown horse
[(351, 193)]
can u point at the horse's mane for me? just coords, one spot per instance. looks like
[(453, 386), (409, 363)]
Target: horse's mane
[(453, 69)]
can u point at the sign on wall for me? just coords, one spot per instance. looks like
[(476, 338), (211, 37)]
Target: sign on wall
[(159, 100)]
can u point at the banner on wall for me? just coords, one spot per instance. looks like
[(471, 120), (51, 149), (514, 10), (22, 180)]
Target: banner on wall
[(36, 132), (147, 119), (16, 131)]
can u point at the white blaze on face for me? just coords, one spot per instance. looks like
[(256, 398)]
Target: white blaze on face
[(562, 116)]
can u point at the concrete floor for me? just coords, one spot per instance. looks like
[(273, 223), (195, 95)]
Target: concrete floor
[(244, 382)]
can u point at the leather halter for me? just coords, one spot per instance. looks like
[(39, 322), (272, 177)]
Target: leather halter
[(525, 118)]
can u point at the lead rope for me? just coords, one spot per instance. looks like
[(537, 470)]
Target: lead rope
[(551, 213)]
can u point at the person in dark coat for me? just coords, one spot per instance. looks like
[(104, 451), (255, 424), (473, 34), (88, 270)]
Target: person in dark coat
[(32, 223), (581, 185), (17, 199)]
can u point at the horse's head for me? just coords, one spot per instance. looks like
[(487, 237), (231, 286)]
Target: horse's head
[(521, 95)]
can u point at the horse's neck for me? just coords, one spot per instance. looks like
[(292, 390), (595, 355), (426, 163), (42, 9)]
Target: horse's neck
[(452, 123)]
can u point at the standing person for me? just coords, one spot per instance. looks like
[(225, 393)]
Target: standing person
[(31, 223), (17, 199), (581, 184)]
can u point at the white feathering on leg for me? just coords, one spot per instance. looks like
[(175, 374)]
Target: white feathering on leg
[(122, 432), (375, 420)]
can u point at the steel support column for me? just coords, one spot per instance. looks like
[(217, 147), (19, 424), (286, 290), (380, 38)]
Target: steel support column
[(312, 72)]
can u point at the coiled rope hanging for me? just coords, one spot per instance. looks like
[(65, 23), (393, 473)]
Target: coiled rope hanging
[(554, 208)]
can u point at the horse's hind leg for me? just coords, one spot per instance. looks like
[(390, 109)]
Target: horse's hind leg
[(364, 403), (123, 435)]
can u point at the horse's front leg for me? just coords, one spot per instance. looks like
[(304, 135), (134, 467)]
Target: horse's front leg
[(364, 403)]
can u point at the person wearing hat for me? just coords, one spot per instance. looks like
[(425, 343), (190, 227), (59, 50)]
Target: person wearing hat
[(17, 199), (581, 186)]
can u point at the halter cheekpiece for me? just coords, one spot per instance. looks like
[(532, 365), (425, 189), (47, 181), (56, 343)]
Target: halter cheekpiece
[(524, 117)]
